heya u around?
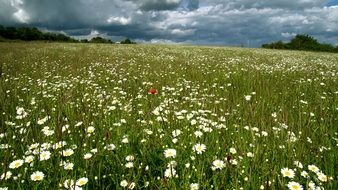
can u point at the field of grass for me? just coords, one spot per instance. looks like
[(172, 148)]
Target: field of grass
[(81, 116)]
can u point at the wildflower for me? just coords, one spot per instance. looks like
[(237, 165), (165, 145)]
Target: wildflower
[(294, 186), (312, 185), (45, 155), (129, 165), (68, 166), (15, 164), (21, 113), (37, 176), (313, 168), (172, 164), (194, 186), (176, 133), (298, 164), (90, 129), (29, 159), (69, 183), (304, 174), (248, 97), (233, 162), (233, 151), (286, 172), (170, 153), (170, 172), (42, 121), (218, 164), (322, 177), (82, 181), (198, 133), (94, 151), (67, 152), (250, 154), (111, 147), (132, 185), (152, 91), (87, 156), (125, 140), (78, 124), (130, 158), (199, 148), (6, 175), (124, 183)]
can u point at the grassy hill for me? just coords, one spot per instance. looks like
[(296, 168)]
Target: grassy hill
[(221, 118)]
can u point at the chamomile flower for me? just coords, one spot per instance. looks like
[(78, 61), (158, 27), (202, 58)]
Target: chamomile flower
[(129, 165), (194, 186), (37, 176), (90, 129), (87, 156), (233, 150), (45, 155), (170, 172), (322, 177), (82, 181), (6, 176), (199, 148), (16, 164), (294, 186), (123, 183), (67, 152), (218, 164), (313, 168), (286, 172), (170, 153)]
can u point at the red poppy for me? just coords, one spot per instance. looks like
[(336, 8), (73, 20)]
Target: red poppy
[(152, 91)]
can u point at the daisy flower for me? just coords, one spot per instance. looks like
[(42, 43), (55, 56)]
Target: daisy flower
[(194, 186), (218, 164), (15, 164), (123, 183), (199, 148), (82, 181), (286, 172), (294, 186), (313, 168), (170, 153), (37, 176)]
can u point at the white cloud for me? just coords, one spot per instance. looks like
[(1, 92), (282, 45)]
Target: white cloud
[(288, 34), (233, 22), (21, 16), (119, 20)]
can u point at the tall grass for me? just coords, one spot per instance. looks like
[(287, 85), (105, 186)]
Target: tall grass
[(257, 111)]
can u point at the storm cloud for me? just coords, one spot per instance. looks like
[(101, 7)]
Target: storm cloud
[(223, 22)]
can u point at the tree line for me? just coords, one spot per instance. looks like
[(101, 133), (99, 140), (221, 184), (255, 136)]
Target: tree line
[(302, 42), (34, 34)]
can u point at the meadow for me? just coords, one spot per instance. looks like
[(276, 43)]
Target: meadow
[(95, 116)]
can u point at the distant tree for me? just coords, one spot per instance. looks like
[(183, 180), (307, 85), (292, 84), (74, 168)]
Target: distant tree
[(127, 41), (30, 34), (275, 45), (84, 41), (100, 40), (302, 42)]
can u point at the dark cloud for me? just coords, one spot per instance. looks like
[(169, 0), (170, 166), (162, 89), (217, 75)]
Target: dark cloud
[(228, 22)]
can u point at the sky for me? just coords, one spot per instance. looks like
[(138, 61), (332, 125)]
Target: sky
[(211, 22)]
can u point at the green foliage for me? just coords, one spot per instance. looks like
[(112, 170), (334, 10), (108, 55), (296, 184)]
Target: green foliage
[(100, 40), (302, 42), (127, 41), (32, 34)]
